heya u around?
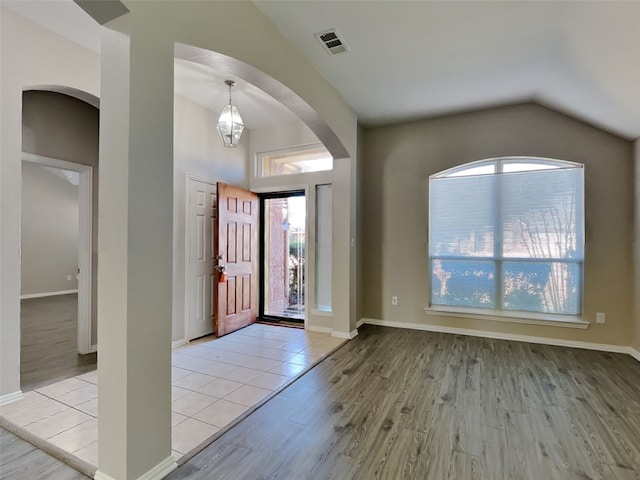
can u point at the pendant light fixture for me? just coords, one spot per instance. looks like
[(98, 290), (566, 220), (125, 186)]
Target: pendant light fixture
[(230, 124)]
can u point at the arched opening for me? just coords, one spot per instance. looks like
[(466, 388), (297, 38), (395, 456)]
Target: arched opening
[(276, 120), (270, 86), (59, 234)]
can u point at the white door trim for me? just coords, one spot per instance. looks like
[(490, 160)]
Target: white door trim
[(84, 242), (187, 242)]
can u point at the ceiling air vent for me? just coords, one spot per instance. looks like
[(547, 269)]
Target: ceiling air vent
[(332, 42)]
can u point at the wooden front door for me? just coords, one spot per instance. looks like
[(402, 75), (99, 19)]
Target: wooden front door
[(237, 256)]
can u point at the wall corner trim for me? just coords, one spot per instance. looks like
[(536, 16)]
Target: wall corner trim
[(158, 472), (334, 333), (102, 476), (347, 335), (178, 343), (161, 470), (603, 347), (313, 328), (11, 397)]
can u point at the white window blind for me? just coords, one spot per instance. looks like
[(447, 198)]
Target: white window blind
[(507, 234)]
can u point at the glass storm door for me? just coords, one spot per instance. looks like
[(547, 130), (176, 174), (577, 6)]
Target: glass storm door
[(283, 223)]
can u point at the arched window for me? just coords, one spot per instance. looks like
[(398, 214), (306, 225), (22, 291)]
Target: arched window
[(508, 234)]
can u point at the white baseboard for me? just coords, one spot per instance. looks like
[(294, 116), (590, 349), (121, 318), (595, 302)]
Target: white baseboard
[(158, 472), (346, 335), (11, 397), (102, 476), (313, 328), (48, 294), (360, 322), (178, 343), (604, 347), (333, 333), (161, 470)]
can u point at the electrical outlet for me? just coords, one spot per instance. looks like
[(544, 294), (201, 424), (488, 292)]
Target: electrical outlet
[(394, 300), (68, 277), (600, 317)]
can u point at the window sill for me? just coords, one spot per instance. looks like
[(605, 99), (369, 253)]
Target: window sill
[(321, 312), (548, 320)]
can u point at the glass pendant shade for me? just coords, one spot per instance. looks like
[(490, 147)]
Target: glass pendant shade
[(230, 124)]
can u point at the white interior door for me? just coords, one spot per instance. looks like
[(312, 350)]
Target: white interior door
[(202, 212)]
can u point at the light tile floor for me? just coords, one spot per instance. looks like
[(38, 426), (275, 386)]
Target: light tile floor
[(214, 380)]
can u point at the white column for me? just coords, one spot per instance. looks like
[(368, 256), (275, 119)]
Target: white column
[(10, 179), (343, 282), (636, 247), (135, 255)]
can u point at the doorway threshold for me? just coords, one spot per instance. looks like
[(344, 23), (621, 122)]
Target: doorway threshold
[(281, 323)]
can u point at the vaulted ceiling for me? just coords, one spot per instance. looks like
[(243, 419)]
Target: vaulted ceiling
[(415, 59), (412, 59)]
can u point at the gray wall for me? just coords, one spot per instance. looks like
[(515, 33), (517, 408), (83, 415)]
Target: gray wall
[(62, 127), (398, 160), (49, 250)]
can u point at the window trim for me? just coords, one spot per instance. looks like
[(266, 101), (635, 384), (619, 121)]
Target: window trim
[(498, 258), (259, 160), (511, 316), (500, 161)]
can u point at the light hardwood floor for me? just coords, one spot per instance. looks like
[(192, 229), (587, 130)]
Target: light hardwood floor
[(48, 344), (20, 460), (395, 404)]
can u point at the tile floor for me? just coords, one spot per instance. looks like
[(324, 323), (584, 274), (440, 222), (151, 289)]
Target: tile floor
[(214, 380)]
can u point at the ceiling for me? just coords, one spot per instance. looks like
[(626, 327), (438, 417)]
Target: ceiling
[(63, 17), (416, 59), (205, 85)]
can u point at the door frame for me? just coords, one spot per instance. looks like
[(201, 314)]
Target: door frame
[(187, 242), (85, 251), (302, 191)]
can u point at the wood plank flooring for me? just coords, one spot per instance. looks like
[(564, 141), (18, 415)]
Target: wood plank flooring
[(394, 404), (48, 344), (20, 460)]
